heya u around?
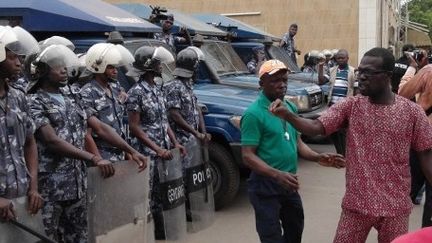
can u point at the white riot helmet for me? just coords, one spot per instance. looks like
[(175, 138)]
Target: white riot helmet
[(327, 53), (53, 57), (334, 52), (314, 53), (127, 58), (56, 40), (17, 40), (100, 55)]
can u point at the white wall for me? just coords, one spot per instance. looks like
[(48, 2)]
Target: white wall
[(368, 25)]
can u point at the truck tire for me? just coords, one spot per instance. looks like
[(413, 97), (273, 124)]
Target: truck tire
[(225, 173)]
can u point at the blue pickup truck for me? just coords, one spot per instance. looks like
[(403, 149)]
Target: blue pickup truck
[(245, 38)]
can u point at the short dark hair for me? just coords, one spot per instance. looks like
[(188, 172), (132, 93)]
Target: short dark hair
[(387, 57), (294, 25), (407, 47)]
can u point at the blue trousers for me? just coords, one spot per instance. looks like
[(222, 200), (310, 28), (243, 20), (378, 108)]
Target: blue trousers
[(278, 211)]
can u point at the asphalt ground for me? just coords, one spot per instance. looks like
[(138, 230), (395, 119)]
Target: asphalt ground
[(321, 189)]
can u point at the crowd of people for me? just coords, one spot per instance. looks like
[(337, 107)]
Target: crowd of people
[(62, 112)]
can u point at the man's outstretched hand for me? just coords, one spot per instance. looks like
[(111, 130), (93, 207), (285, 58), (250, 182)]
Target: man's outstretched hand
[(332, 160)]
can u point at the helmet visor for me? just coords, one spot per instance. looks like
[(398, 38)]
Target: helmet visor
[(56, 40), (163, 55), (25, 45), (126, 56), (59, 56), (198, 51)]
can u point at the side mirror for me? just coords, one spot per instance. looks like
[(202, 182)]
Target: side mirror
[(203, 108)]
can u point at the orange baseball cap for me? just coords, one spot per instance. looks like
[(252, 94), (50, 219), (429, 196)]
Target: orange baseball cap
[(271, 67)]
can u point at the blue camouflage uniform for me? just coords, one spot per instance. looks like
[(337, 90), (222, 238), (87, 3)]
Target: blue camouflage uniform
[(169, 39), (149, 101), (20, 84), (252, 65), (179, 95), (62, 180), (289, 46), (15, 127), (110, 111)]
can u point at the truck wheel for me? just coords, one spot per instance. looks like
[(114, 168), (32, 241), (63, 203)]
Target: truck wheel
[(225, 173)]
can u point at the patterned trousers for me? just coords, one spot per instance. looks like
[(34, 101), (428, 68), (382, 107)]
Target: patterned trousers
[(66, 221), (354, 227)]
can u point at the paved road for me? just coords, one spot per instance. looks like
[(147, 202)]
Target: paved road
[(321, 190)]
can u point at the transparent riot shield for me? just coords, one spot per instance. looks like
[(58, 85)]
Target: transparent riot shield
[(150, 228), (173, 197), (117, 206), (12, 233), (199, 188)]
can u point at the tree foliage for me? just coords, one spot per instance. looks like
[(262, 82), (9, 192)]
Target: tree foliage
[(420, 11)]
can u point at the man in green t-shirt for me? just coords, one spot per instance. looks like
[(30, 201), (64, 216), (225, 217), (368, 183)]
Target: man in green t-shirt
[(270, 147)]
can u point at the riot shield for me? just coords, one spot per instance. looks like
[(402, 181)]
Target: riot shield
[(199, 188), (117, 206), (11, 233), (173, 197), (150, 228)]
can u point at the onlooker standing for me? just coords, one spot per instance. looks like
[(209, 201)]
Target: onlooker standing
[(400, 67), (381, 128), (270, 147), (288, 44), (410, 85), (257, 60), (342, 79)]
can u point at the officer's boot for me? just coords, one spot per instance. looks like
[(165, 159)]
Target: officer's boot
[(159, 224)]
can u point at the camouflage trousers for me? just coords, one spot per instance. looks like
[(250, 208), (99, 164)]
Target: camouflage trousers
[(66, 221), (112, 154)]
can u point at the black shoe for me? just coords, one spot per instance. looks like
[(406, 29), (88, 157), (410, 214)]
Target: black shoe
[(188, 216)]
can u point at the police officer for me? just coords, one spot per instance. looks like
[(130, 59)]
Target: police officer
[(166, 35), (182, 105), (17, 143), (61, 124), (148, 122), (102, 96)]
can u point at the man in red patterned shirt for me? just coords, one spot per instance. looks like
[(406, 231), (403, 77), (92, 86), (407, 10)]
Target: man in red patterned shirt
[(381, 129)]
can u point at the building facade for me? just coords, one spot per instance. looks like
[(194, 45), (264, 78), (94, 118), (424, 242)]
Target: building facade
[(355, 25)]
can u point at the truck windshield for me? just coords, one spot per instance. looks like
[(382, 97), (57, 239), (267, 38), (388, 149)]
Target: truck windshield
[(222, 57), (277, 53)]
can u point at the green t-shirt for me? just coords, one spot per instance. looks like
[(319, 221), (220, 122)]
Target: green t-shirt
[(274, 138)]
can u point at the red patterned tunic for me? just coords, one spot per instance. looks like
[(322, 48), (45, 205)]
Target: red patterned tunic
[(379, 138)]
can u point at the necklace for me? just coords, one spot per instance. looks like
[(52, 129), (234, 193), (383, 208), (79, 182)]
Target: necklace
[(286, 134)]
